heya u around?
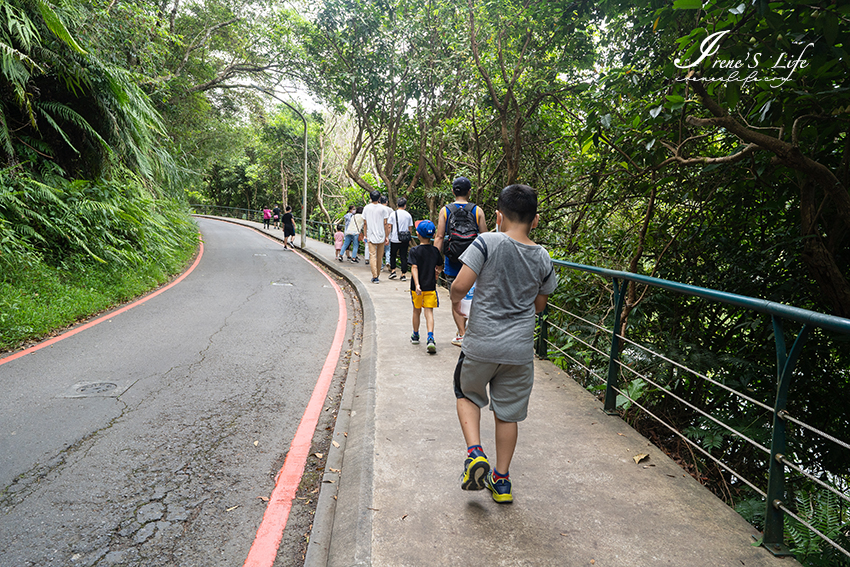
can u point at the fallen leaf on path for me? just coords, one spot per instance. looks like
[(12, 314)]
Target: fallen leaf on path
[(263, 498), (333, 470), (639, 458), (232, 508), (403, 517), (319, 455), (335, 444), (256, 443)]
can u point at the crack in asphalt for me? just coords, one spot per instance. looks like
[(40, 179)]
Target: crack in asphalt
[(26, 483)]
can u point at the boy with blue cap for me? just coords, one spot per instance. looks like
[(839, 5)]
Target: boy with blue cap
[(424, 261)]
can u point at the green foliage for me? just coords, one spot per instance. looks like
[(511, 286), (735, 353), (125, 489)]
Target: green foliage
[(822, 510), (68, 252), (634, 391)]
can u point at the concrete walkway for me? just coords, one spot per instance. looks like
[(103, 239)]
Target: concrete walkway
[(579, 497)]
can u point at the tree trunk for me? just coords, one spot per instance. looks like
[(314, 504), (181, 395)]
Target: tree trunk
[(283, 183), (319, 189), (817, 257), (631, 297)]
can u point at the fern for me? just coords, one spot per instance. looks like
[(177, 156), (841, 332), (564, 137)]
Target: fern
[(823, 511)]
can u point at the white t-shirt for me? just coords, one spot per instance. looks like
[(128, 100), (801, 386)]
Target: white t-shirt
[(405, 221), (510, 277), (375, 215)]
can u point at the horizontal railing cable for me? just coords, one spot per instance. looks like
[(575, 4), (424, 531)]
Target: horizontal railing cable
[(595, 375), (818, 481), (588, 345), (664, 389), (694, 445), (591, 323), (786, 416), (693, 407), (695, 373), (813, 529)]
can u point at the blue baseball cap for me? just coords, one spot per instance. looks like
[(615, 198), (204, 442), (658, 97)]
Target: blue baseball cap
[(426, 229)]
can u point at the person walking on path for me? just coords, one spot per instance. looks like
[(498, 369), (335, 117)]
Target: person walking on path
[(457, 226), (386, 257), (377, 230), (339, 238), (346, 221), (267, 217), (401, 224), (513, 279), (276, 213), (288, 228), (353, 231), (425, 262)]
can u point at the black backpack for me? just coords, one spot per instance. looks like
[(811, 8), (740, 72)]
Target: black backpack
[(461, 229)]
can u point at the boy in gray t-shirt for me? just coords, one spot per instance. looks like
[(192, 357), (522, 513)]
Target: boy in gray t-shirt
[(513, 279)]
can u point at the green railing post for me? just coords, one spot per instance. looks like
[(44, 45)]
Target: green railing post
[(614, 357), (543, 333), (774, 518)]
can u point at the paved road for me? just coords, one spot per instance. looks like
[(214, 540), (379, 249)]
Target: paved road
[(165, 468)]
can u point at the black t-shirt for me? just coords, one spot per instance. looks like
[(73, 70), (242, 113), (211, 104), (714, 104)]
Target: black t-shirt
[(276, 212), (426, 258), (287, 218)]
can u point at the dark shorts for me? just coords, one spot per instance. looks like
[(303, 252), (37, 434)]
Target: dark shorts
[(288, 230)]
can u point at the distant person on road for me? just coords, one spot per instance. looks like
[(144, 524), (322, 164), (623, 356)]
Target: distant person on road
[(401, 225), (513, 279), (276, 216), (457, 227), (288, 228), (339, 238), (377, 231), (425, 263), (267, 217)]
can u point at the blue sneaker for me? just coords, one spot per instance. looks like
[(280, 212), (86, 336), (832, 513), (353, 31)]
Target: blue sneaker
[(476, 467), (500, 488), (414, 338)]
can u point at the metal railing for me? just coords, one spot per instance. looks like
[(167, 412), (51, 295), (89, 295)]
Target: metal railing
[(317, 230), (582, 335)]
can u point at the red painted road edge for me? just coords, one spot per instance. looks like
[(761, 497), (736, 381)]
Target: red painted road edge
[(264, 550), (106, 317)]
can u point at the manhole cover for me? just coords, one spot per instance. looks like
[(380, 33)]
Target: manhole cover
[(94, 390)]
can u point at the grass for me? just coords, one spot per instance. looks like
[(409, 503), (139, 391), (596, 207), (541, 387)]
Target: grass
[(37, 300)]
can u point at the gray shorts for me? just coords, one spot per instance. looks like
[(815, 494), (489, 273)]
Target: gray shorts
[(509, 385)]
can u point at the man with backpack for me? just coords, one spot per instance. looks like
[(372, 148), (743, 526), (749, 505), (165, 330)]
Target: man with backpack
[(458, 226)]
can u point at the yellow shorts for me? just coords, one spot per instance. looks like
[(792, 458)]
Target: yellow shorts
[(427, 299)]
